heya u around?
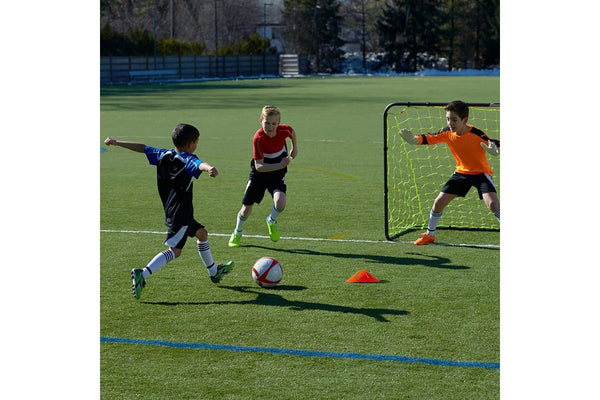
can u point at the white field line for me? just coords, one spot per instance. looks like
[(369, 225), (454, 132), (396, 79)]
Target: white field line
[(487, 246)]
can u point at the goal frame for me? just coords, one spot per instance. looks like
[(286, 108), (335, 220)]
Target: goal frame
[(385, 165)]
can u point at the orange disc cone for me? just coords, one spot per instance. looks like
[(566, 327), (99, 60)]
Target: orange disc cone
[(363, 276)]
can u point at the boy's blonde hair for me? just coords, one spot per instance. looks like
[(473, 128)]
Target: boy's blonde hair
[(269, 110)]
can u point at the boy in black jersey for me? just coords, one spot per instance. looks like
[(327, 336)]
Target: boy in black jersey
[(175, 172)]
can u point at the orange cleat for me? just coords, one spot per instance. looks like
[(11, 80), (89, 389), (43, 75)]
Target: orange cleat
[(425, 239)]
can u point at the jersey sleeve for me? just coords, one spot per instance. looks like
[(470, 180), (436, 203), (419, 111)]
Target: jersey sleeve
[(154, 154), (434, 138), (257, 148), (287, 130), (192, 166)]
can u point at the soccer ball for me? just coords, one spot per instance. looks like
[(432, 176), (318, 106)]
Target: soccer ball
[(267, 272)]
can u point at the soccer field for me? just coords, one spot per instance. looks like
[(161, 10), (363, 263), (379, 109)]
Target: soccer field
[(429, 328)]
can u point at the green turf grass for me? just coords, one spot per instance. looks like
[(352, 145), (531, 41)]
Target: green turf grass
[(437, 302)]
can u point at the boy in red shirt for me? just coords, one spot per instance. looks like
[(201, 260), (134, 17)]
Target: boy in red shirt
[(469, 146), (268, 168)]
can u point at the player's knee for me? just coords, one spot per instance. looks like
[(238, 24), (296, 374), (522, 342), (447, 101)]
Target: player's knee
[(442, 201), (491, 201), (439, 205), (279, 200), (176, 251), (494, 205), (280, 205), (246, 211), (202, 234)]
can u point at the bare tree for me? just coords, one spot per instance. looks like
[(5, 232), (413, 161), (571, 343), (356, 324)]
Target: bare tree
[(186, 20)]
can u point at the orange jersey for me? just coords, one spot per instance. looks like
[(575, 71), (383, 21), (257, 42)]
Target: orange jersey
[(470, 157)]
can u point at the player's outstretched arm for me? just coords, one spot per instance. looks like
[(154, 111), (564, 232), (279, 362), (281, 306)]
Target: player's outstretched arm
[(491, 148), (408, 136), (212, 171), (137, 147)]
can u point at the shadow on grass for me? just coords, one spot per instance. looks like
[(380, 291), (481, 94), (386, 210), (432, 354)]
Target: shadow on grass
[(270, 297), (422, 259)]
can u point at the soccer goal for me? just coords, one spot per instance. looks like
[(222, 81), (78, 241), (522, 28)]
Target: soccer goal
[(414, 175)]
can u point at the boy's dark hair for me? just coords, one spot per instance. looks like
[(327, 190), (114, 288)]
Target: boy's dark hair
[(459, 107), (184, 134)]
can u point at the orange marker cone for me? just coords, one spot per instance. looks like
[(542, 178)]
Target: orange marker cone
[(363, 276)]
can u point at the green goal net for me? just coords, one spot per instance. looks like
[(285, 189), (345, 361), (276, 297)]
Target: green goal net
[(414, 175)]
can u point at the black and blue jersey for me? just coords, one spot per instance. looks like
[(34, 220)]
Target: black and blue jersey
[(175, 173)]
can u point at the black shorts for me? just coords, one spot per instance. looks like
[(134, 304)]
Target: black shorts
[(255, 189), (459, 184), (177, 235)]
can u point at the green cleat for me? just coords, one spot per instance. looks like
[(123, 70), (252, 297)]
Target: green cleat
[(234, 240), (138, 282), (273, 231), (222, 269)]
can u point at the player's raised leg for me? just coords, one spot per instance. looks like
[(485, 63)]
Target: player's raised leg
[(139, 276)]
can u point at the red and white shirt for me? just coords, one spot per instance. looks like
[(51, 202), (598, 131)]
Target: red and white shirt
[(271, 149)]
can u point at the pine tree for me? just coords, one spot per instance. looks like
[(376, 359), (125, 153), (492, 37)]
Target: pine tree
[(313, 27)]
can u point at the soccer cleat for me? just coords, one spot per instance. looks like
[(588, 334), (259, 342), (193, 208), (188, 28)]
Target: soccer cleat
[(222, 269), (273, 231), (138, 282), (425, 239), (234, 240)]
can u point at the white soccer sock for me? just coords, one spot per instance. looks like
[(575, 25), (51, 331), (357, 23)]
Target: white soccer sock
[(159, 261), (274, 214), (239, 226), (206, 255), (434, 219), (497, 215)]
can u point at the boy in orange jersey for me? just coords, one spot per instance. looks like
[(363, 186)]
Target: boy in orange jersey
[(469, 146)]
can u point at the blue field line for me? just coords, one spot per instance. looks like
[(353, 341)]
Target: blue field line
[(306, 353)]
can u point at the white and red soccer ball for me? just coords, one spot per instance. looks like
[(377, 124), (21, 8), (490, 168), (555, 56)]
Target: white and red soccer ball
[(267, 272)]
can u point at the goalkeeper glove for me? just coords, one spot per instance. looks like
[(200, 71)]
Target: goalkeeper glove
[(408, 136), (491, 148)]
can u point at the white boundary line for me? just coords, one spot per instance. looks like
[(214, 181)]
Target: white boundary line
[(484, 246)]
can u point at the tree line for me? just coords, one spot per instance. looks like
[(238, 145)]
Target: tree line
[(406, 35)]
